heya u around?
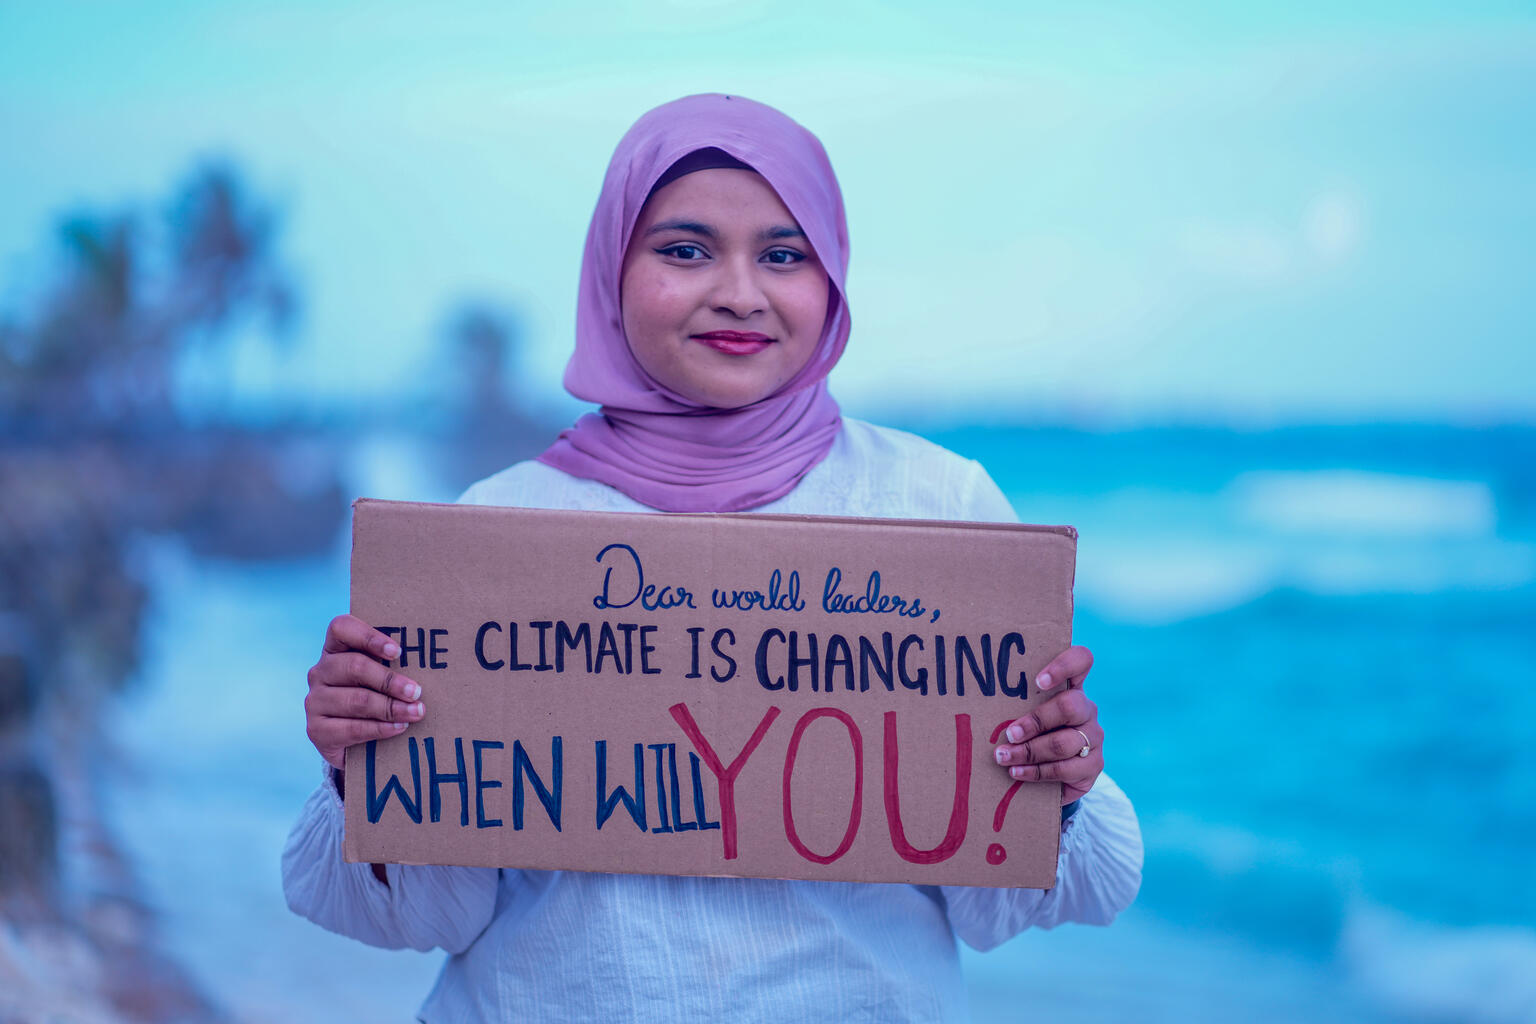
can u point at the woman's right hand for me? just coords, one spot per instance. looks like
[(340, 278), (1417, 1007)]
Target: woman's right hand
[(354, 698)]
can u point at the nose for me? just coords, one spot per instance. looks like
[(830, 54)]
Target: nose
[(736, 289)]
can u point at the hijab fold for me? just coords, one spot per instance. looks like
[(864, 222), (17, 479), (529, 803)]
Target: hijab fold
[(647, 441)]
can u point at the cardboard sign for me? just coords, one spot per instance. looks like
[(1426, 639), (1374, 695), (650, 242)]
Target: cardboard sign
[(774, 696)]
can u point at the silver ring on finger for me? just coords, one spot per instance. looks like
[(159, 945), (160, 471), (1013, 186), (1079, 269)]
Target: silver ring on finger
[(1087, 747)]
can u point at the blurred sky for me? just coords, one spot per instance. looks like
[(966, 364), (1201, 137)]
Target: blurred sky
[(1233, 211)]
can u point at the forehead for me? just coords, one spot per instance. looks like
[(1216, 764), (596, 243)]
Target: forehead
[(727, 196)]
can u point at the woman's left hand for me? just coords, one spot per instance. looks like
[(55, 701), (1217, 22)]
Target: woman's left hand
[(1046, 744)]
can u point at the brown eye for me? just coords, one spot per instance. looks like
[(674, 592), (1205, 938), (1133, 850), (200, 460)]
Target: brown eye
[(783, 257), (682, 251)]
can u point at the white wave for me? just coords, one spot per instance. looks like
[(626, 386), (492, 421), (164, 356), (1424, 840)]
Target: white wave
[(1158, 557), (1473, 975), (1356, 502), (1155, 581), (1366, 566)]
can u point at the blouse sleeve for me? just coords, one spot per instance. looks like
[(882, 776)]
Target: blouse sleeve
[(1097, 876), (981, 500), (423, 907), (1099, 869)]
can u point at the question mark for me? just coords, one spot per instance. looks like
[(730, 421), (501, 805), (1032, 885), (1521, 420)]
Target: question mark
[(995, 852)]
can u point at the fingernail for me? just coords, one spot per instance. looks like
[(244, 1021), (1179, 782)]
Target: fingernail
[(1044, 680), (1015, 734), (1017, 773), (1002, 756), (417, 710), (398, 726), (412, 691), (391, 650)]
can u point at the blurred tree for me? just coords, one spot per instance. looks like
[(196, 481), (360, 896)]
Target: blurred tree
[(99, 352), (94, 450), (94, 455), (486, 429), (484, 340)]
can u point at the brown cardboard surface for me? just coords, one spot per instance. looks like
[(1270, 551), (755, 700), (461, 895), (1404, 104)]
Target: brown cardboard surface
[(692, 744)]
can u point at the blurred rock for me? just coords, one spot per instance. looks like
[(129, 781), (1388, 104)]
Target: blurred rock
[(28, 829), (17, 698)]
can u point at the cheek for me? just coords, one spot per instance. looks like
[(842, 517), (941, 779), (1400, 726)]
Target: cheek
[(651, 302), (806, 305)]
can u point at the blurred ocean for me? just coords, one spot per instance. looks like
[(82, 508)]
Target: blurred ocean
[(1316, 665)]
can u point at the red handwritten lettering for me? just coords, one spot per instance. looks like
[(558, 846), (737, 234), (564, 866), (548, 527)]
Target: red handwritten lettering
[(959, 814), (858, 784), (726, 776)]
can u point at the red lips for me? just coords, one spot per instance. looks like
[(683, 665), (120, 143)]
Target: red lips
[(735, 343)]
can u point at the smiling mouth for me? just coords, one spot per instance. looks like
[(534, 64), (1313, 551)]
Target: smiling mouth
[(735, 343)]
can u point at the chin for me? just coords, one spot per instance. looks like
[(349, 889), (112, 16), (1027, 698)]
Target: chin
[(727, 397), (727, 403)]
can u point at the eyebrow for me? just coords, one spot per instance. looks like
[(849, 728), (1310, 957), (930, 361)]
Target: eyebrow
[(696, 228)]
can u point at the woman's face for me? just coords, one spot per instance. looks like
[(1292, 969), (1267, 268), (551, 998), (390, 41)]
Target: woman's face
[(723, 298)]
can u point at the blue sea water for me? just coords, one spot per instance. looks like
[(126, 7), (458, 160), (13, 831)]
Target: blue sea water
[(1316, 668)]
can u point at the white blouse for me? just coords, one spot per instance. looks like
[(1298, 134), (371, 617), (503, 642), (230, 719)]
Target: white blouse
[(565, 945)]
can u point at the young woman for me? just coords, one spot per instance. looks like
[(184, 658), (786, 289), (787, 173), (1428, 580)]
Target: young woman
[(711, 308)]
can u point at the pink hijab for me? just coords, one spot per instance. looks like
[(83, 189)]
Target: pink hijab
[(649, 442)]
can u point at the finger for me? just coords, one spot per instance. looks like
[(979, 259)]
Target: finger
[(353, 669), (340, 733), (1058, 745), (1064, 708), (1073, 771), (361, 702), (350, 633), (1070, 666)]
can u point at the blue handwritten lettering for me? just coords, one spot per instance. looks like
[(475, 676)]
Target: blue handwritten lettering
[(377, 800), (872, 601), (661, 789), (634, 802), (651, 597), (482, 820), (551, 795), (787, 599), (435, 779)]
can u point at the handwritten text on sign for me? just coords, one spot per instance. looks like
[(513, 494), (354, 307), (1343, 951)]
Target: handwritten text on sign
[(749, 695)]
